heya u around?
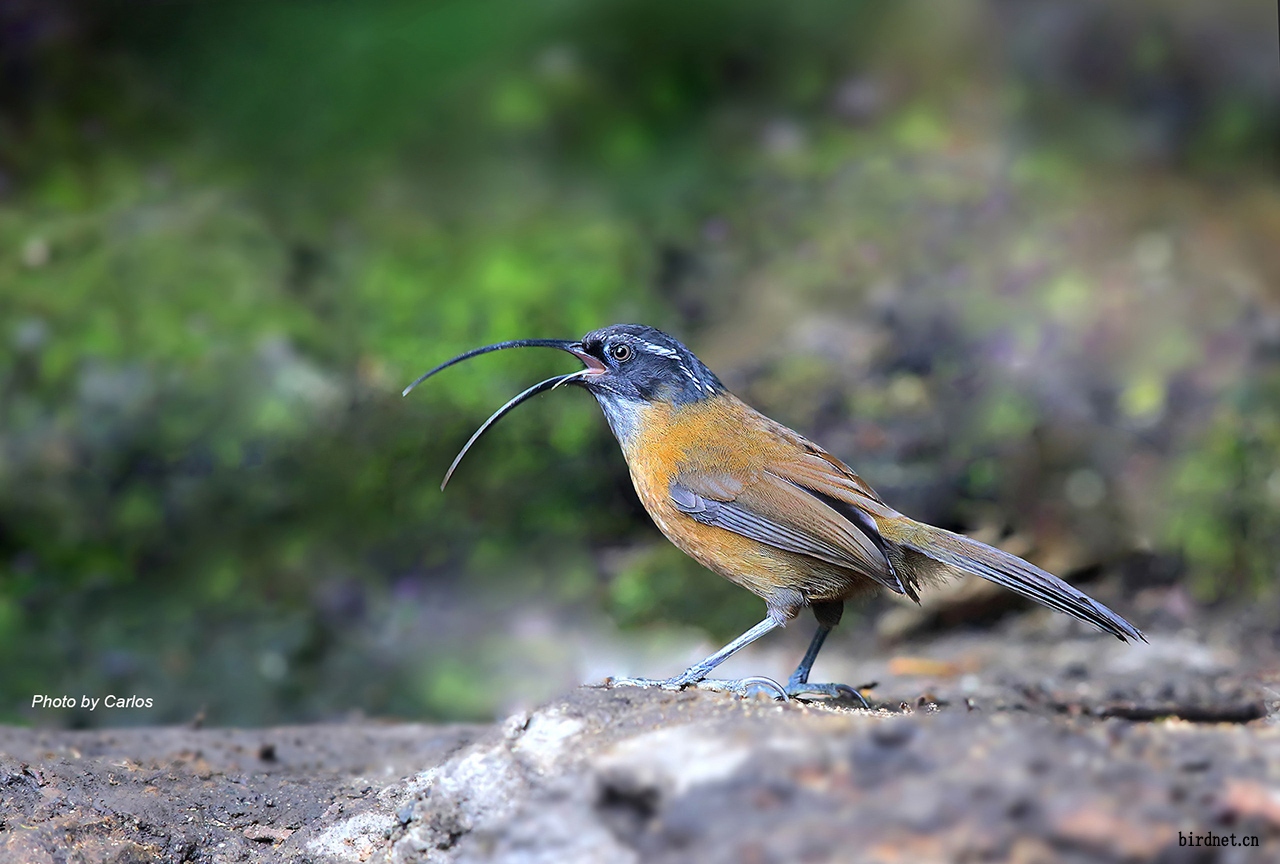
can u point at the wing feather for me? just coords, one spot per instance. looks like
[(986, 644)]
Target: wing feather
[(772, 510)]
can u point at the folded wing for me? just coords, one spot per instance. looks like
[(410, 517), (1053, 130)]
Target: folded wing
[(775, 511)]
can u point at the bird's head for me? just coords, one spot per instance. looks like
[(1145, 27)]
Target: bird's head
[(636, 363), (627, 366)]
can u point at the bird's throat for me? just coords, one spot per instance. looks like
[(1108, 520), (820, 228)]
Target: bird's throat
[(625, 416)]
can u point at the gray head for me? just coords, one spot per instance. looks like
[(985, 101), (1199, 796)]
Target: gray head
[(627, 367), (642, 364)]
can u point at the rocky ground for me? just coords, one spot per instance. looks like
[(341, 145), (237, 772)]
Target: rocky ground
[(1031, 742)]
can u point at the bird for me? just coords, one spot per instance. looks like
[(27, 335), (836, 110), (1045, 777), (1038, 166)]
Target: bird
[(763, 506)]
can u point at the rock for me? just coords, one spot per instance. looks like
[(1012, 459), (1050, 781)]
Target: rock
[(1015, 759)]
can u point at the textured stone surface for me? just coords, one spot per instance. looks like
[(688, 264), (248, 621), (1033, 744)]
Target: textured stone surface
[(981, 747)]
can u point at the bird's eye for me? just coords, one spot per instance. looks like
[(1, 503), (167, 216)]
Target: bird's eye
[(622, 353)]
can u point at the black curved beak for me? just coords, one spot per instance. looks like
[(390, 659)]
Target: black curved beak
[(593, 367), (574, 348)]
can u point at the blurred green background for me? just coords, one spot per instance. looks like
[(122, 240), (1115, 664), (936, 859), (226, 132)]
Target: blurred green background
[(1016, 262)]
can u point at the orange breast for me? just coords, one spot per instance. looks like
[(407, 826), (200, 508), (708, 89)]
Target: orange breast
[(722, 434)]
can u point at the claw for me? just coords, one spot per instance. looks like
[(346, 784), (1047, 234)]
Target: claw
[(836, 691), (766, 683), (644, 683), (739, 686), (742, 687)]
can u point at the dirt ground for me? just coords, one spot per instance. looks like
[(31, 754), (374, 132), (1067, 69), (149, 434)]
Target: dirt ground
[(1033, 741)]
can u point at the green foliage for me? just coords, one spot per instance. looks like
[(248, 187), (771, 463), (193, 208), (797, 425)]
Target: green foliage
[(231, 232), (1223, 501), (196, 415), (658, 584)]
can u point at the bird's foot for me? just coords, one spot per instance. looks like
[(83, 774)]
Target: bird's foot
[(801, 690), (741, 687), (643, 683)]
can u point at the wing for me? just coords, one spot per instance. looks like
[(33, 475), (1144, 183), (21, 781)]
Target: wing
[(817, 470), (776, 511)]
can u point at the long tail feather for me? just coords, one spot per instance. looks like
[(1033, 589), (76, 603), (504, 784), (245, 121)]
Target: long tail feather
[(1009, 571)]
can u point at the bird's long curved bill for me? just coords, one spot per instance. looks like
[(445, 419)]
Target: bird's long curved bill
[(562, 344), (540, 387), (593, 366)]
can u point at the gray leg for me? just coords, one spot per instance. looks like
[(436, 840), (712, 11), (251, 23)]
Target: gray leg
[(828, 615), (696, 674), (801, 675), (698, 671)]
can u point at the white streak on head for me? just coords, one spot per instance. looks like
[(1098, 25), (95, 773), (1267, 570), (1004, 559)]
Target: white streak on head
[(677, 356), (660, 350), (664, 351)]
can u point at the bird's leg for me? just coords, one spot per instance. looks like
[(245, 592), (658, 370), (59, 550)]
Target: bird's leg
[(828, 615), (801, 675), (798, 684), (698, 671), (696, 675)]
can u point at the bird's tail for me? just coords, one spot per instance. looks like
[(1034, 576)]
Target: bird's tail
[(907, 540)]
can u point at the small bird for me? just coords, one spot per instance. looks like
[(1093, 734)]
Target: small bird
[(763, 506)]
